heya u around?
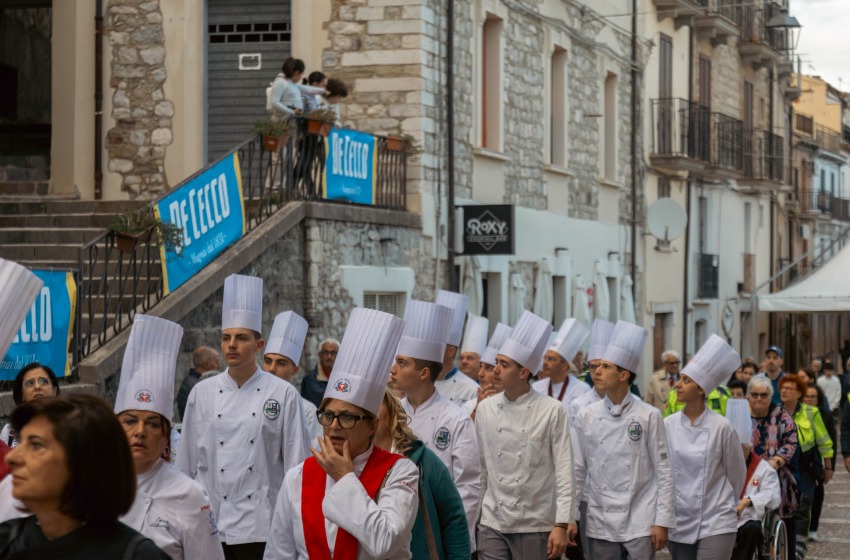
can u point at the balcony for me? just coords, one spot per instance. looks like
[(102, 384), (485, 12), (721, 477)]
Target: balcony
[(815, 203), (758, 45), (680, 10), (828, 139), (707, 288), (804, 131), (764, 160), (727, 158), (717, 21), (681, 136)]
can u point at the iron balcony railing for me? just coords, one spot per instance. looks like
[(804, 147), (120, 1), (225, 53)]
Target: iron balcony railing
[(828, 139), (815, 201), (708, 277), (681, 128), (112, 286), (728, 143), (764, 157), (752, 19)]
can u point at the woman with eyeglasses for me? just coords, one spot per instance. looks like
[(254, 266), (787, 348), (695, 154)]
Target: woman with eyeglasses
[(814, 454), (351, 499), (33, 382), (775, 441), (815, 397)]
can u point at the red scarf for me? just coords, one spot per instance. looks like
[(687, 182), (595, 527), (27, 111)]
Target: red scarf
[(563, 388), (313, 484), (751, 469)]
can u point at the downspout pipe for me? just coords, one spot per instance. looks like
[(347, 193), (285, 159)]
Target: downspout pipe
[(634, 146), (685, 287), (98, 101), (450, 145)]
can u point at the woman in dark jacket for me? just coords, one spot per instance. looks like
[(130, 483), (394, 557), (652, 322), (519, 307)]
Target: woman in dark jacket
[(815, 397), (440, 531), (73, 471)]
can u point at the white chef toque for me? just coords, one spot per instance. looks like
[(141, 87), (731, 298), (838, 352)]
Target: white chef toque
[(600, 335), (457, 303), (424, 334), (287, 336), (738, 414), (242, 306), (500, 335), (527, 341), (569, 339), (366, 354), (150, 362), (713, 364), (18, 289), (475, 336), (626, 346)]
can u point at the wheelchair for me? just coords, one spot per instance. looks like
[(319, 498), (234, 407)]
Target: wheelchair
[(774, 545)]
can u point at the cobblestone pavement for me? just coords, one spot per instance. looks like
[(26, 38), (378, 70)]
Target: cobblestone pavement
[(834, 532)]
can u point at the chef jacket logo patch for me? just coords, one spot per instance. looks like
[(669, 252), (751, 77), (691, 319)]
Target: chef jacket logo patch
[(755, 483), (144, 396), (271, 409), (442, 438), (635, 431), (342, 386)]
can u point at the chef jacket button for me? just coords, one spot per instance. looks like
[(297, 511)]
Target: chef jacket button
[(219, 415), (220, 391), (258, 389), (221, 443), (499, 454), (250, 468), (253, 414), (252, 441), (249, 496), (225, 497), (222, 470), (498, 429)]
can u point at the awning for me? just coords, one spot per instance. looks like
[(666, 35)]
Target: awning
[(826, 289)]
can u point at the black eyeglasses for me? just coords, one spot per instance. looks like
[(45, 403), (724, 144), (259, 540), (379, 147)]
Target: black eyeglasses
[(676, 363), (42, 381), (328, 353), (346, 420)]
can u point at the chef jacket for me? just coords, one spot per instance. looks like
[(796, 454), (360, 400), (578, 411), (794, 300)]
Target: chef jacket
[(10, 508), (526, 453), (582, 401), (457, 387), (763, 490), (708, 474), (575, 389), (622, 466), (449, 432), (313, 427), (174, 512), (238, 443), (383, 529)]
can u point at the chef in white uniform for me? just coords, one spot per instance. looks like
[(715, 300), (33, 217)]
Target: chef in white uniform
[(452, 384), (473, 345), (282, 354), (622, 466), (761, 492), (170, 508), (559, 384), (525, 444), (242, 429), (327, 506), (443, 426), (488, 385), (708, 468)]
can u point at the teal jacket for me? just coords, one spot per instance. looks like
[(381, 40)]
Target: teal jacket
[(438, 494)]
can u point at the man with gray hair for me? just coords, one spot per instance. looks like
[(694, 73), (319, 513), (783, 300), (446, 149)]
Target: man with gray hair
[(204, 360), (316, 381), (663, 380)]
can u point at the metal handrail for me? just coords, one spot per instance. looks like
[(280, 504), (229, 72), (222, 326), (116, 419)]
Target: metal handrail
[(112, 285)]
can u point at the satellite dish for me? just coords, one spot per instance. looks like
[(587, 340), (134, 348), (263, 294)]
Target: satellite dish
[(666, 220)]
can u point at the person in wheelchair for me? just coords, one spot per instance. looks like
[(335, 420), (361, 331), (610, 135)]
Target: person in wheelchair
[(761, 490)]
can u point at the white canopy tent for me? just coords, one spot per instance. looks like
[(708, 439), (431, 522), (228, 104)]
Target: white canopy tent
[(826, 289)]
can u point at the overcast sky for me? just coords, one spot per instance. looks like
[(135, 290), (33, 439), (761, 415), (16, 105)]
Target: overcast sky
[(825, 39)]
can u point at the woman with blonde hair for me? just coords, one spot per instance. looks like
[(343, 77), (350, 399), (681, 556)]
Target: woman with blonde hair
[(440, 529)]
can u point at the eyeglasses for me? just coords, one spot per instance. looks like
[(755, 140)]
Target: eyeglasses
[(676, 363), (42, 382), (328, 353), (759, 395), (787, 388), (346, 421)]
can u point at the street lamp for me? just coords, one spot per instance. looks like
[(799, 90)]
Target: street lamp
[(783, 21)]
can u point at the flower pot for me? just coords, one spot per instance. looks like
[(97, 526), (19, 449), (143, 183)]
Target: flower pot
[(318, 128), (395, 144), (127, 242), (273, 143)]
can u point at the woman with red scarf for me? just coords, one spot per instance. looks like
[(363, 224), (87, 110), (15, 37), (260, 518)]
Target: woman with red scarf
[(351, 500)]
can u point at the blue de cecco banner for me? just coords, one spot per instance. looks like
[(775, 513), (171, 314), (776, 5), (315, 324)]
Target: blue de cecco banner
[(210, 211), (45, 334), (350, 166)]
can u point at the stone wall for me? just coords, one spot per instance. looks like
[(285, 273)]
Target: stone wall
[(143, 128)]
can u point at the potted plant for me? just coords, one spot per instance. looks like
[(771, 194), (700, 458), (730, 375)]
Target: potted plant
[(275, 132), (320, 121), (395, 143), (134, 226)]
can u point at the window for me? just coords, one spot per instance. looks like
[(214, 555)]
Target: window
[(748, 228), (665, 67), (388, 302), (609, 131), (558, 108), (491, 83), (663, 187)]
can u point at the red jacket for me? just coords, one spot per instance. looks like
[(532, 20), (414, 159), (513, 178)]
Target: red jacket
[(4, 468)]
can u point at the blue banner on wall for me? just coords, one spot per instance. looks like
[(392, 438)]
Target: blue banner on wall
[(350, 166), (210, 210), (45, 334)]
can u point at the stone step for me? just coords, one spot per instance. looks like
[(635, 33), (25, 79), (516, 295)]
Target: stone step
[(45, 235), (83, 220), (36, 251), (51, 205)]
